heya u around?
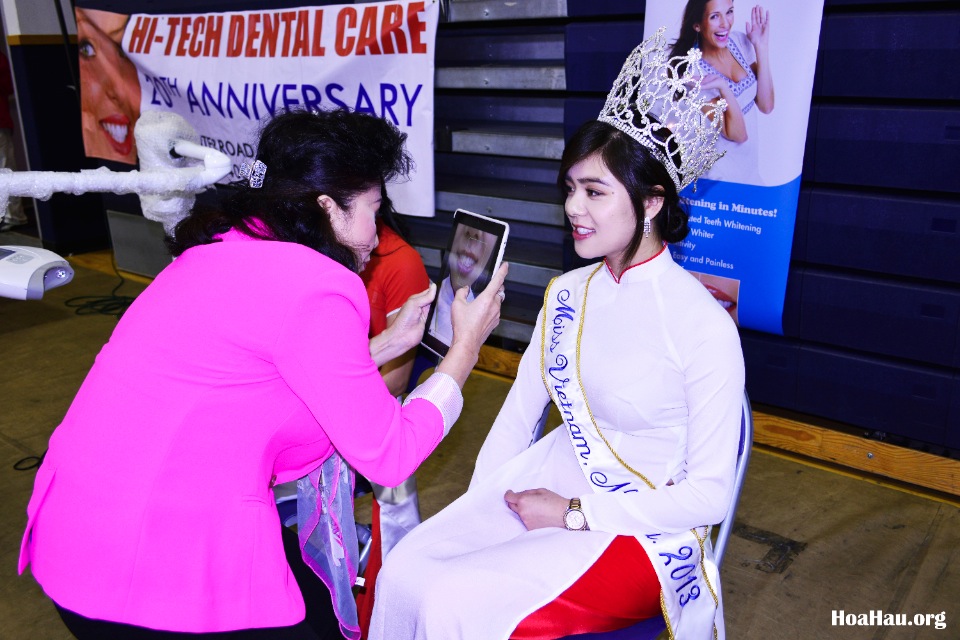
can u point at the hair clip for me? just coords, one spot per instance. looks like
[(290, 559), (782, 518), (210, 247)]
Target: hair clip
[(255, 173)]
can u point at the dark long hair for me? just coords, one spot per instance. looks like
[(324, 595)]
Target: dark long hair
[(637, 169), (692, 14), (390, 217), (338, 153)]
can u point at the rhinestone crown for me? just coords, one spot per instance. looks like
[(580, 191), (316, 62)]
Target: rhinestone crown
[(656, 101)]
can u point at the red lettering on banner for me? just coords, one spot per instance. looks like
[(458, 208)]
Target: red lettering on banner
[(378, 30), (196, 42), (211, 45), (391, 29), (318, 48), (138, 35), (368, 33), (253, 34), (344, 45), (416, 27), (271, 29), (153, 32), (301, 44), (172, 24), (235, 37), (287, 17), (353, 40), (184, 38)]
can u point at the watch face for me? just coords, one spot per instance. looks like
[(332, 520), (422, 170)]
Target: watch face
[(574, 520)]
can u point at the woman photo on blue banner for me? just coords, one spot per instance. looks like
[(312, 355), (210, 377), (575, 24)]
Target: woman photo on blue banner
[(736, 68)]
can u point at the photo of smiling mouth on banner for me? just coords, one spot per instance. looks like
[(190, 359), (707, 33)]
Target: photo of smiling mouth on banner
[(109, 86), (760, 59), (226, 73)]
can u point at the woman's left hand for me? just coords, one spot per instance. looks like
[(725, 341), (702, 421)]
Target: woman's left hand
[(758, 28), (537, 508), (406, 331)]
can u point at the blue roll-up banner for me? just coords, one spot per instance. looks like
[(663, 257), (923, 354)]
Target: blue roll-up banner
[(761, 59), (226, 73)]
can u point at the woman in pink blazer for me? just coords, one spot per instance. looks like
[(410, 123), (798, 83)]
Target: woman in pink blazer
[(246, 363)]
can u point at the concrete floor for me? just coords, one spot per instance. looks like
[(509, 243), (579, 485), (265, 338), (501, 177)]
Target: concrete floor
[(808, 541)]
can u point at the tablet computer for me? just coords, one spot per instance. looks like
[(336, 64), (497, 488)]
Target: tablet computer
[(473, 254)]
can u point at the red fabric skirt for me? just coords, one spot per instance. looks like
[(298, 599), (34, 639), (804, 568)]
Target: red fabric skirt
[(620, 589), (366, 595)]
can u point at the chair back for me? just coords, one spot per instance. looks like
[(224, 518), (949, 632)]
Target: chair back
[(725, 528), (652, 628)]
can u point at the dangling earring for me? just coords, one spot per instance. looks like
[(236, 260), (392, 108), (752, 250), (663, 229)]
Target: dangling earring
[(646, 227), (696, 42)]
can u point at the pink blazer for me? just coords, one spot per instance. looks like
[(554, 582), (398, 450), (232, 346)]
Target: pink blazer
[(242, 365)]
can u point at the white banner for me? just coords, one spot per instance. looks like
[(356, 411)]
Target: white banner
[(226, 73), (761, 59)]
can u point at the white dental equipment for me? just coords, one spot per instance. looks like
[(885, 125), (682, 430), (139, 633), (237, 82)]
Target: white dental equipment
[(27, 272), (167, 183)]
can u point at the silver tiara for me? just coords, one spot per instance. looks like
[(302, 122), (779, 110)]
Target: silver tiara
[(255, 173), (656, 101)]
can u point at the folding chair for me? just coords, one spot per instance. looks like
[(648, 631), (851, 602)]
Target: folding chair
[(652, 628)]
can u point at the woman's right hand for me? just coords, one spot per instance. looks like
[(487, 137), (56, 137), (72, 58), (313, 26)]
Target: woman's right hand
[(472, 324), (734, 127), (404, 330), (474, 321), (758, 28), (713, 81)]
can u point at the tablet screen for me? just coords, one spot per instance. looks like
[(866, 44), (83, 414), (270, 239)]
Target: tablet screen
[(473, 253)]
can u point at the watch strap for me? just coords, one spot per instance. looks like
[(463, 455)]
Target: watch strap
[(575, 506)]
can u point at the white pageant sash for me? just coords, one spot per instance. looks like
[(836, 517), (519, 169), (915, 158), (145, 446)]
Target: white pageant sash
[(689, 579)]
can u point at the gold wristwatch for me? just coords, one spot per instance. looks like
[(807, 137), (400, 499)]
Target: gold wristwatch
[(573, 518)]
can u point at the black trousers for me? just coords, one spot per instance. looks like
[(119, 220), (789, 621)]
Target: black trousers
[(320, 623)]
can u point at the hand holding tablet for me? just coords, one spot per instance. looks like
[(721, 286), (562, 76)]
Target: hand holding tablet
[(474, 253)]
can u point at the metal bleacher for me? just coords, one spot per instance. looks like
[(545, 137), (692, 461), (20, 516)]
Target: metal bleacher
[(505, 90), (872, 313)]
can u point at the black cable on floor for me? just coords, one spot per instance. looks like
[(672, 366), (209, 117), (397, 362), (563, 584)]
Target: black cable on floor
[(28, 463), (110, 305)]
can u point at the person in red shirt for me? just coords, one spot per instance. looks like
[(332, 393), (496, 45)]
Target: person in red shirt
[(394, 273)]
